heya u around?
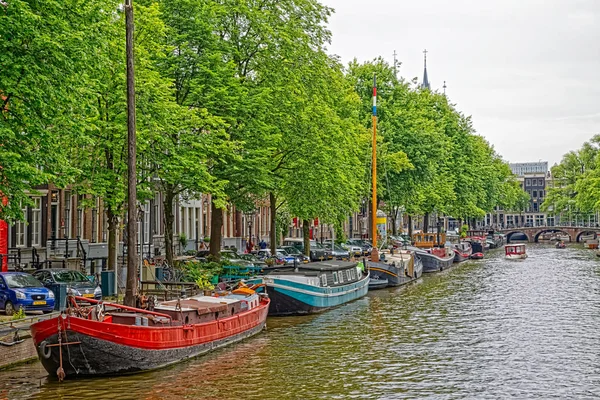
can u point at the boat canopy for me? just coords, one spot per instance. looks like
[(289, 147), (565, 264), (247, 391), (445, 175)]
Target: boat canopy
[(428, 240), (518, 248)]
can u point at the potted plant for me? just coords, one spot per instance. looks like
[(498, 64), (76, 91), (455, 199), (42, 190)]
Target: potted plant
[(183, 241), (204, 284)]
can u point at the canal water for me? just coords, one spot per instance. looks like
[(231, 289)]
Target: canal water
[(485, 329)]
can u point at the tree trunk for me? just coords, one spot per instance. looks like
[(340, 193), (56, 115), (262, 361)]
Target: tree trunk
[(169, 220), (394, 217), (410, 227), (306, 236), (113, 223), (132, 259), (426, 223), (216, 225), (273, 227)]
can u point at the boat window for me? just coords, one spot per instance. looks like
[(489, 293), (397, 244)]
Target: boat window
[(348, 275), (232, 310), (323, 280), (341, 276), (335, 277)]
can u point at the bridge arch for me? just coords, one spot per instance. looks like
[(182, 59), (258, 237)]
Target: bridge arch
[(584, 233), (510, 234), (551, 230)]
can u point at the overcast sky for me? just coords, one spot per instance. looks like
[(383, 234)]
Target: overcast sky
[(528, 71)]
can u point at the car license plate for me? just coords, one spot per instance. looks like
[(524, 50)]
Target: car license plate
[(88, 295), (39, 303)]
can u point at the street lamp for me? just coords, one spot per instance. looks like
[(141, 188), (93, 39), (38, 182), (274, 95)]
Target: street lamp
[(249, 219)]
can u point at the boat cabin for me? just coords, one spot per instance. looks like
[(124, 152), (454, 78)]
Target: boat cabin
[(428, 240), (515, 250), (477, 233), (318, 274)]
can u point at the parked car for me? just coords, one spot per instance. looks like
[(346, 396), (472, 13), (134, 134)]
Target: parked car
[(364, 244), (19, 290), (253, 259), (339, 253), (317, 252), (77, 283), (336, 251), (279, 258), (235, 258), (353, 249), (291, 250)]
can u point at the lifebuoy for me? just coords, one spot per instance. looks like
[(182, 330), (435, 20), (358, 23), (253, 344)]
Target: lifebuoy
[(45, 351)]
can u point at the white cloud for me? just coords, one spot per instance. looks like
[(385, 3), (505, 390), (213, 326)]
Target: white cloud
[(526, 70)]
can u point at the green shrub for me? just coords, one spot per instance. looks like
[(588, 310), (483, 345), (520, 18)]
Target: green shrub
[(20, 314)]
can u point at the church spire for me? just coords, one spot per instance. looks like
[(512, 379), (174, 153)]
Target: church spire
[(425, 84)]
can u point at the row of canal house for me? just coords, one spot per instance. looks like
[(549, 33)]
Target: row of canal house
[(62, 227)]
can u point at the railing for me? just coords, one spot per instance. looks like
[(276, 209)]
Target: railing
[(79, 249), (12, 257)]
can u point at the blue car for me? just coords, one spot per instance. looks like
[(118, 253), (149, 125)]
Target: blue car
[(19, 290)]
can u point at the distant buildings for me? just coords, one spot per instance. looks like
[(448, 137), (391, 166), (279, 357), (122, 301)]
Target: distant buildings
[(521, 169), (534, 178)]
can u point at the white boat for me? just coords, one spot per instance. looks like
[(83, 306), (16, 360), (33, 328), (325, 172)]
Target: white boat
[(515, 251)]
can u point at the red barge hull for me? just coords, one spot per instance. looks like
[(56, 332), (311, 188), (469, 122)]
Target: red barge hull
[(92, 348)]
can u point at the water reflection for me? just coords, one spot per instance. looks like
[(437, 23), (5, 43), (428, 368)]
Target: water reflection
[(487, 329)]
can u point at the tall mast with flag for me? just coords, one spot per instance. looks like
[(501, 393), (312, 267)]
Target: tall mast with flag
[(374, 168)]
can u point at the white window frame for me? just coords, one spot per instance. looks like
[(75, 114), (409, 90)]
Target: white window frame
[(68, 211), (80, 217), (21, 230), (147, 222), (191, 231), (36, 222), (335, 278)]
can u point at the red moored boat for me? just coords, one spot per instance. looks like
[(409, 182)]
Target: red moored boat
[(111, 339)]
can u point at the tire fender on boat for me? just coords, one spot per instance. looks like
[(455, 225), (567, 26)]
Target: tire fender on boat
[(45, 351)]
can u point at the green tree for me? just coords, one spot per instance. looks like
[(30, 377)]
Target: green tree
[(47, 53)]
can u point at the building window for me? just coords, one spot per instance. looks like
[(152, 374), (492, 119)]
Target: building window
[(94, 237), (67, 219), (80, 215), (540, 182), (197, 224), (528, 182), (147, 222), (104, 227), (21, 230), (36, 221), (534, 194), (182, 222), (156, 221), (535, 207), (191, 226)]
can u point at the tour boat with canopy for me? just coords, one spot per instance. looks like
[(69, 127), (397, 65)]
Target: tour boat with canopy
[(515, 251)]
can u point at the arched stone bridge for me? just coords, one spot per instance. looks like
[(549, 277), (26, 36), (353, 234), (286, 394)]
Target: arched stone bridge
[(533, 234)]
